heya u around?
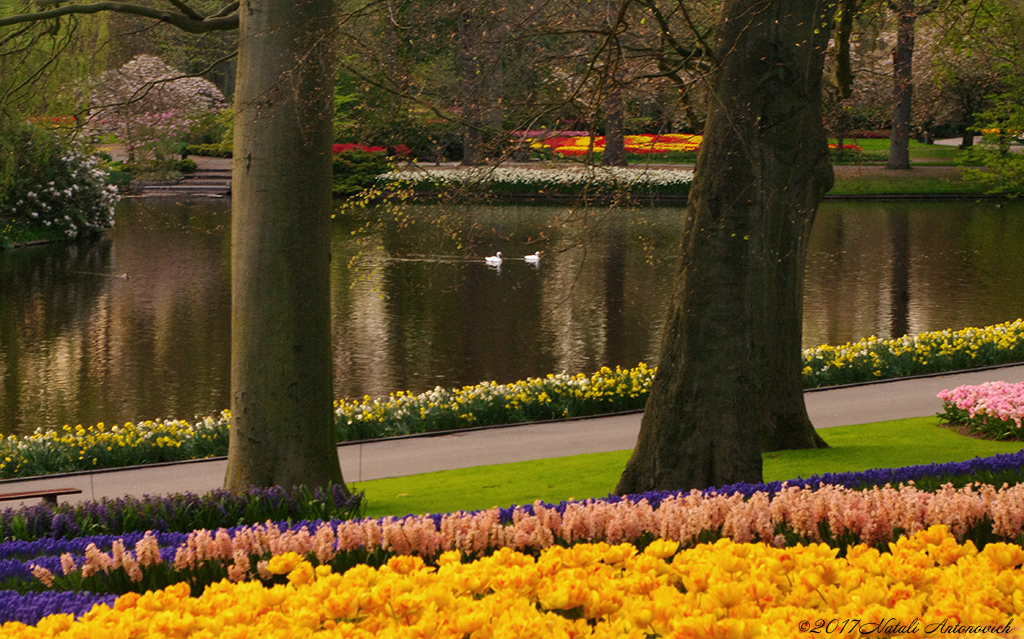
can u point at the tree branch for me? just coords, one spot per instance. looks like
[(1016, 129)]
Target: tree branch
[(185, 9), (225, 20)]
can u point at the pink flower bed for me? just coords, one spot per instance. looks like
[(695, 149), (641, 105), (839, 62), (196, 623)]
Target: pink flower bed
[(872, 517), (993, 408)]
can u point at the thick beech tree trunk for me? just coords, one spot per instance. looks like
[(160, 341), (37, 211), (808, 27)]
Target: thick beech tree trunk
[(282, 422), (729, 375)]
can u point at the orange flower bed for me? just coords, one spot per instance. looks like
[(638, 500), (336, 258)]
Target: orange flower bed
[(574, 146)]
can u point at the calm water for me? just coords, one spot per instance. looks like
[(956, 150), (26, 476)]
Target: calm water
[(415, 306)]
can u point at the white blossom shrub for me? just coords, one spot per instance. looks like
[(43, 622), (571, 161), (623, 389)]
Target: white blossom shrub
[(49, 189)]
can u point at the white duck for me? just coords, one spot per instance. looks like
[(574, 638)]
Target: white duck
[(493, 260), (532, 259)]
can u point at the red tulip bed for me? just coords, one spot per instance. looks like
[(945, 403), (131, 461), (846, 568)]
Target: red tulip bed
[(671, 146)]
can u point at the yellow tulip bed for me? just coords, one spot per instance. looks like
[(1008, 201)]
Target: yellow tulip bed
[(925, 585)]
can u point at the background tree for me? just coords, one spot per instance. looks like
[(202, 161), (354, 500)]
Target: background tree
[(761, 172), (907, 12)]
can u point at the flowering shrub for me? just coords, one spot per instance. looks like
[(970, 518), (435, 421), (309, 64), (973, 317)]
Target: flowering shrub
[(993, 409), (846, 147), (544, 181), (551, 397), (49, 189), (150, 106), (577, 145), (725, 589)]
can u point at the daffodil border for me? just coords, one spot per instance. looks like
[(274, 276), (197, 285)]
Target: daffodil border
[(71, 449)]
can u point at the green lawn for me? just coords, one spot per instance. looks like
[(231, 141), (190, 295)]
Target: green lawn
[(877, 150), (901, 182), (888, 444)]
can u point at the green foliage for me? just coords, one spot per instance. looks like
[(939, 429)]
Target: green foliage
[(185, 165), (1001, 126), (369, 115), (357, 170), (226, 126), (208, 150), (48, 188)]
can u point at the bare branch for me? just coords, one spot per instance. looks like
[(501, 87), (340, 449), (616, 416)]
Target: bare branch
[(225, 11), (185, 9), (219, 22)]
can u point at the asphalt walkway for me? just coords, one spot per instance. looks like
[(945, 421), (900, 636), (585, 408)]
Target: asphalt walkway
[(364, 461)]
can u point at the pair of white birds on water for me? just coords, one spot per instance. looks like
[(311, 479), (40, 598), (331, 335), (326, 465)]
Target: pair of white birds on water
[(495, 260)]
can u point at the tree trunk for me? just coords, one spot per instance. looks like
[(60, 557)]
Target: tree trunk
[(732, 342), (903, 87), (282, 422), (614, 133)]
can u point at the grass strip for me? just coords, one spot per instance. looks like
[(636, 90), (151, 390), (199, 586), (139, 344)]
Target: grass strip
[(905, 442), (902, 183)]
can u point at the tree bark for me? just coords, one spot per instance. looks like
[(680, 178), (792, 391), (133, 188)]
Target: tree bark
[(282, 421), (732, 340), (903, 86), (614, 128)]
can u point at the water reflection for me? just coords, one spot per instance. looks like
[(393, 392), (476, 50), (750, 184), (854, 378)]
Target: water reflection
[(898, 268), (414, 305)]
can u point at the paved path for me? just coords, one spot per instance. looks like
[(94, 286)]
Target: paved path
[(862, 404)]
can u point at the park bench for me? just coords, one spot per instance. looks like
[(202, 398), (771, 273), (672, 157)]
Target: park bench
[(48, 495)]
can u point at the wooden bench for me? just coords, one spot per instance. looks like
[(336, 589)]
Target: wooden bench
[(48, 495)]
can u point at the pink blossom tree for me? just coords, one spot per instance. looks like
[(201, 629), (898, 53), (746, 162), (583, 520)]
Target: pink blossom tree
[(149, 106)]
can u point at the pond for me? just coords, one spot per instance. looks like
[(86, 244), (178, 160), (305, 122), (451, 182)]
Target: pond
[(136, 325)]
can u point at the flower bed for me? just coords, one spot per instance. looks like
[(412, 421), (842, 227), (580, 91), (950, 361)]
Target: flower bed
[(930, 352), (579, 145), (992, 409), (551, 397), (181, 513), (399, 150), (761, 523), (835, 509), (846, 147), (543, 181), (593, 590)]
